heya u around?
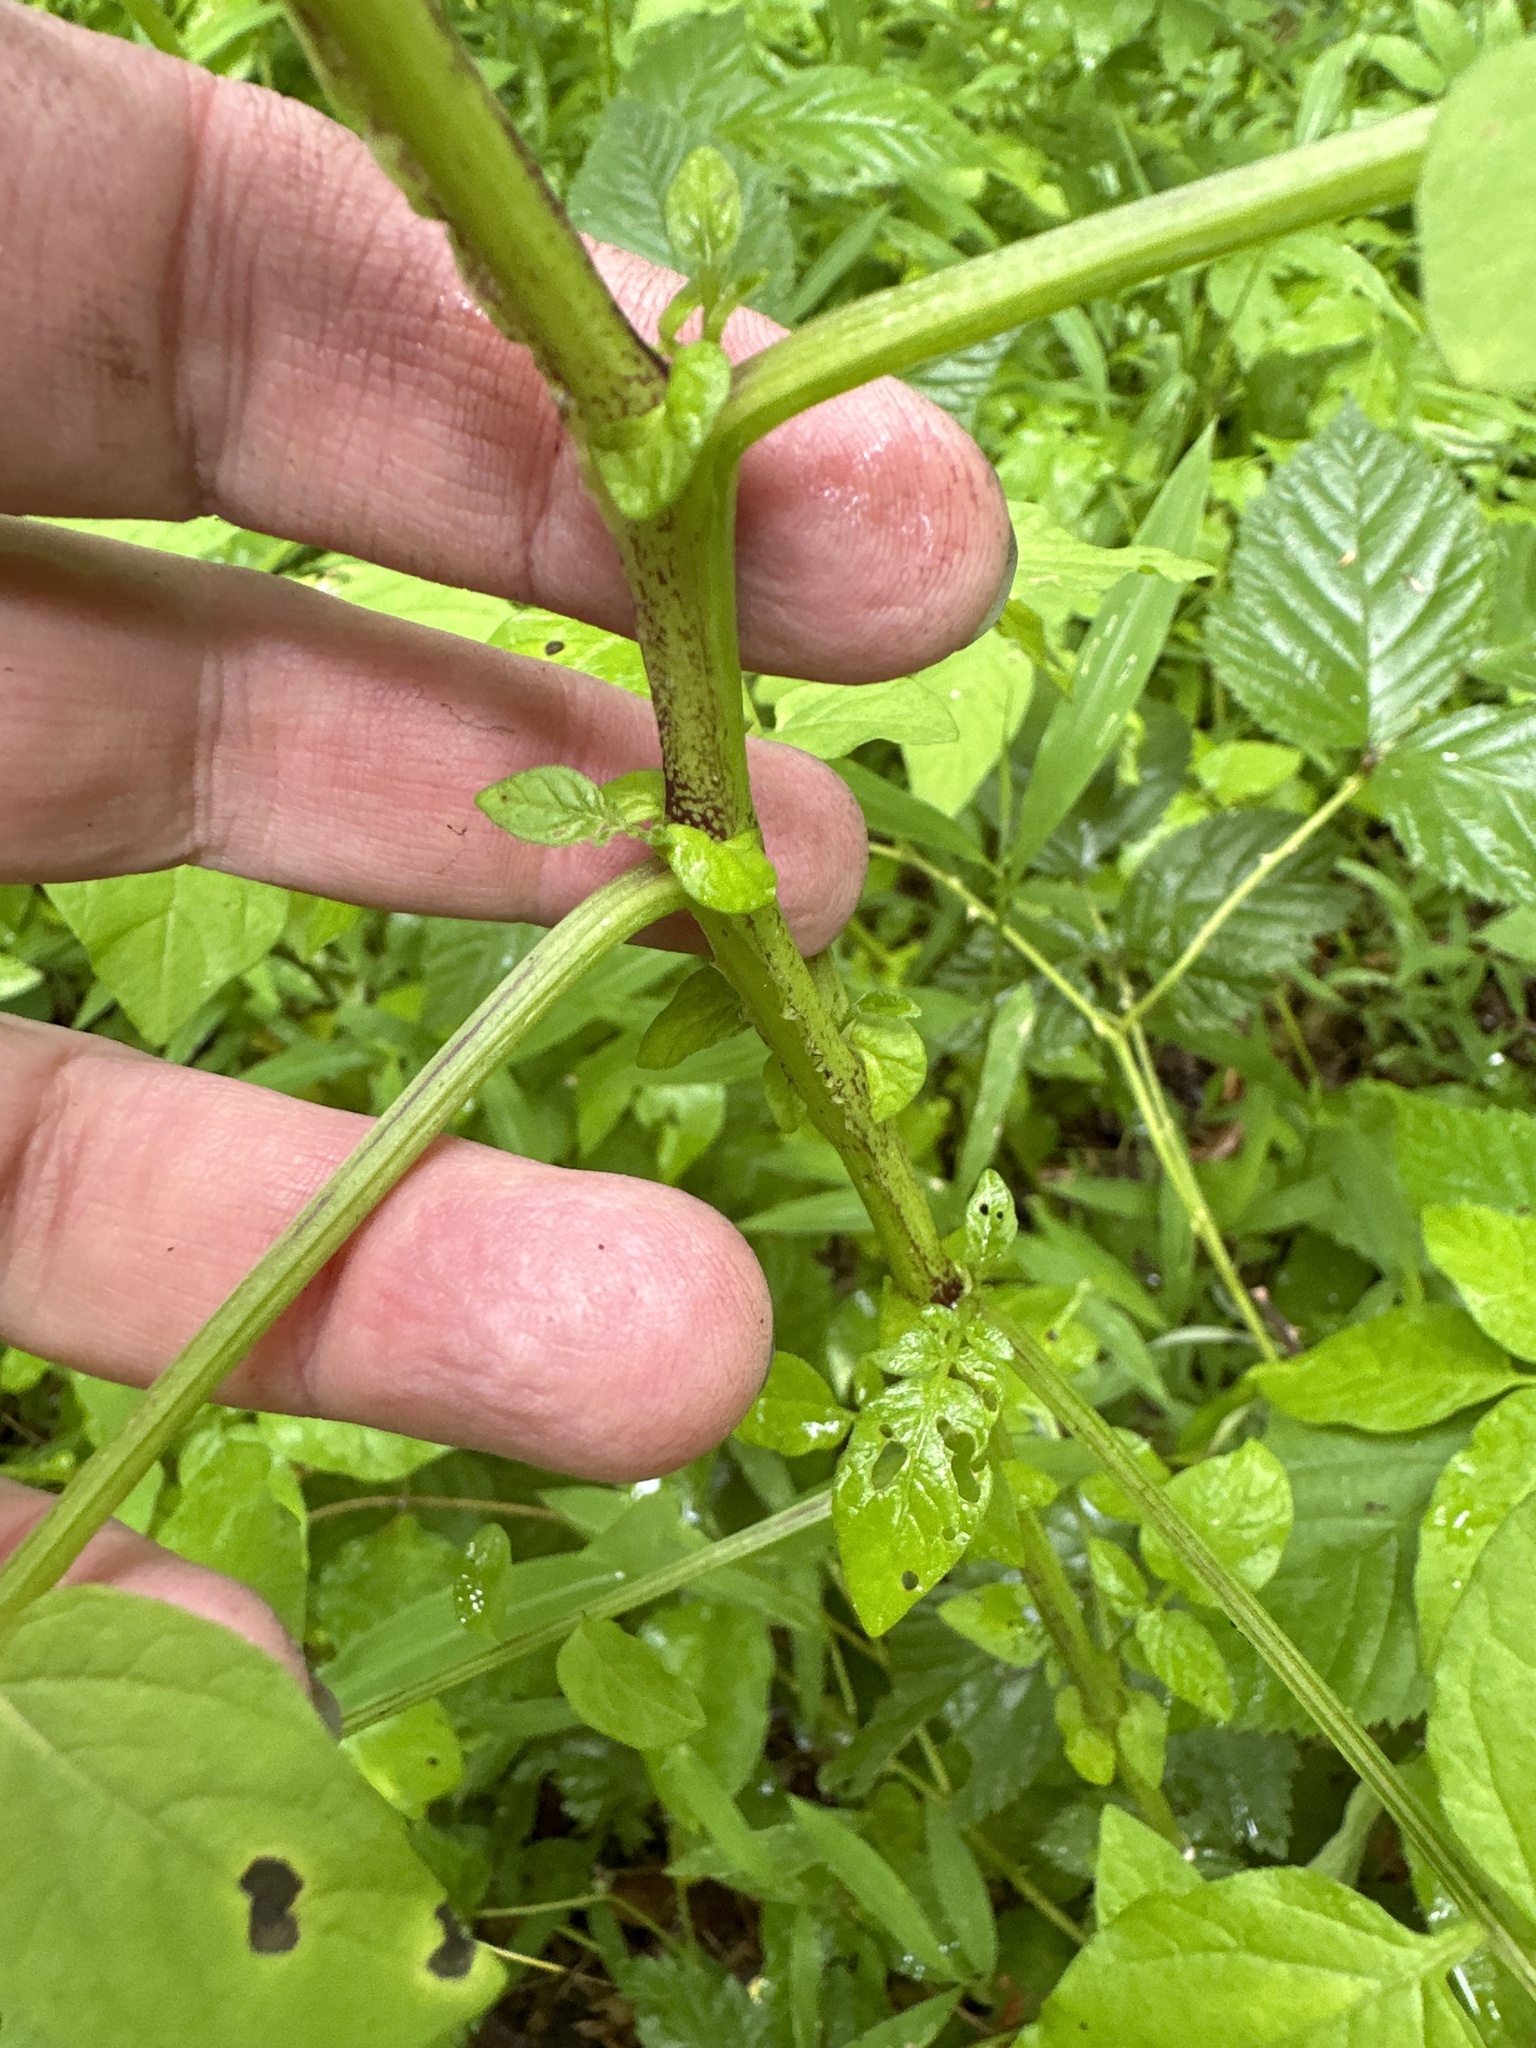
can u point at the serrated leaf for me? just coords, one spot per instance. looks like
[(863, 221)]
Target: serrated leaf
[(830, 720), (1266, 1959), (843, 129), (796, 1412), (620, 1687), (1447, 1152), (1461, 796), (1134, 1863), (872, 1882), (1241, 1505), (1060, 577), (171, 1794), (703, 212), (734, 876), (164, 943), (1491, 1257), (1188, 875), (552, 806), (1478, 1488), (1403, 1370), (1182, 1654), (1482, 1727), (1479, 175), (910, 1490), (703, 1010), (1001, 1620), (1358, 592)]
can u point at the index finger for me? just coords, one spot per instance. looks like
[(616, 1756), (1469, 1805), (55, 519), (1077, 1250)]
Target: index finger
[(219, 303)]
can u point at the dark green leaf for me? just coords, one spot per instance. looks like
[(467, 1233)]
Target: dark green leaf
[(872, 1882), (1461, 796), (703, 1011)]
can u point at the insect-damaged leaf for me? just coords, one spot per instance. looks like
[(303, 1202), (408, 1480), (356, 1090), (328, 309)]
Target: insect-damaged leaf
[(189, 1857)]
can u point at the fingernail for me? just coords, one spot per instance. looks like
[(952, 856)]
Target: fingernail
[(1004, 589)]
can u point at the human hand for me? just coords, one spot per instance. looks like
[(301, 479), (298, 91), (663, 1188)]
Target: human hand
[(218, 304)]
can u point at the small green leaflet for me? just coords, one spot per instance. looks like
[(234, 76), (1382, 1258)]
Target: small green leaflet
[(1001, 1620), (219, 1822), (164, 943), (559, 806), (703, 1010), (1242, 771), (1477, 1489), (1479, 177), (551, 637), (991, 1223), (645, 462), (1182, 1654), (872, 1882), (347, 1447), (240, 1512), (1461, 796), (1266, 1959), (733, 876), (1241, 1506), (1482, 1727), (1134, 1863), (1188, 875), (795, 1413), (830, 720), (703, 211), (1117, 1578), (1090, 1750), (1398, 1371), (1059, 576), (621, 1687), (410, 1759), (1358, 592), (1491, 1257), (888, 1043)]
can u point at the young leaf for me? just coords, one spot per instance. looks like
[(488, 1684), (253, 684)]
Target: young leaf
[(1241, 1505), (1142, 1736), (1113, 663), (1266, 1958), (894, 1057), (1134, 1863), (795, 1413), (1358, 592), (842, 129), (1398, 1371), (1492, 1259), (1477, 1489), (553, 806), (219, 1822), (730, 875), (1242, 771), (1090, 1752), (991, 1223), (960, 1885), (1182, 1654), (164, 943), (703, 212), (620, 1687), (644, 462), (1461, 796), (1479, 175), (910, 1490), (410, 1759), (1482, 1727), (830, 720), (1001, 1620), (1117, 1578), (724, 1653), (1002, 1062), (1187, 876), (240, 1512), (872, 1882), (550, 636)]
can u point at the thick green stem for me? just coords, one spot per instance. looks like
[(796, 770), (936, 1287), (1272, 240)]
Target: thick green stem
[(424, 1108), (1507, 1936), (893, 331), (399, 74), (623, 1598)]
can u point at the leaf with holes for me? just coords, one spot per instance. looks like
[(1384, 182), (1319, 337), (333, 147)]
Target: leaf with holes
[(1461, 796), (1189, 875), (1358, 592), (171, 1795), (910, 1490)]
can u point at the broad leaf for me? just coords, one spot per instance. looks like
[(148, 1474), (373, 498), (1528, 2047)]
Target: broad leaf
[(1479, 177), (240, 1512), (1482, 1728), (1188, 876), (549, 636), (843, 129), (1491, 1257), (171, 1795), (1461, 796), (1449, 1153), (1477, 1489), (410, 1759), (1241, 1506), (1060, 576), (723, 1653), (1266, 1959), (704, 1010), (621, 1687), (891, 1049), (1358, 592), (1134, 1863), (1403, 1370), (986, 689), (164, 943), (796, 1412), (1182, 1654), (1001, 1620), (553, 806), (830, 720), (910, 1490)]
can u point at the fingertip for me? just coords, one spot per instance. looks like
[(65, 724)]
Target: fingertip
[(815, 836)]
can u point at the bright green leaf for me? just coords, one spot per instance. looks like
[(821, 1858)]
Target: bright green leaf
[(830, 720), (1242, 771), (1001, 1620), (1090, 1749), (1134, 1863), (1447, 1153), (549, 636), (1059, 576), (645, 461), (1478, 1488), (1182, 1654), (730, 875), (1117, 1578), (891, 1048), (1491, 1257), (703, 212), (1398, 1371), (620, 1687), (1241, 1505), (411, 1759), (347, 1447), (991, 1223), (553, 806), (236, 1515), (796, 1412), (985, 689), (723, 1653)]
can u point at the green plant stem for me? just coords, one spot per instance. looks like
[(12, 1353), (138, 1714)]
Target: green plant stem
[(1506, 1935), (432, 1503), (893, 331), (424, 1108), (806, 1513), (397, 72), (1092, 1670), (1262, 868), (1027, 1889)]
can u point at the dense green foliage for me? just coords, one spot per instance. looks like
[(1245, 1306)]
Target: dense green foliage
[(1273, 1159)]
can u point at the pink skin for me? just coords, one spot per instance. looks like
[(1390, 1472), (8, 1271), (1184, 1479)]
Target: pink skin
[(217, 303)]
